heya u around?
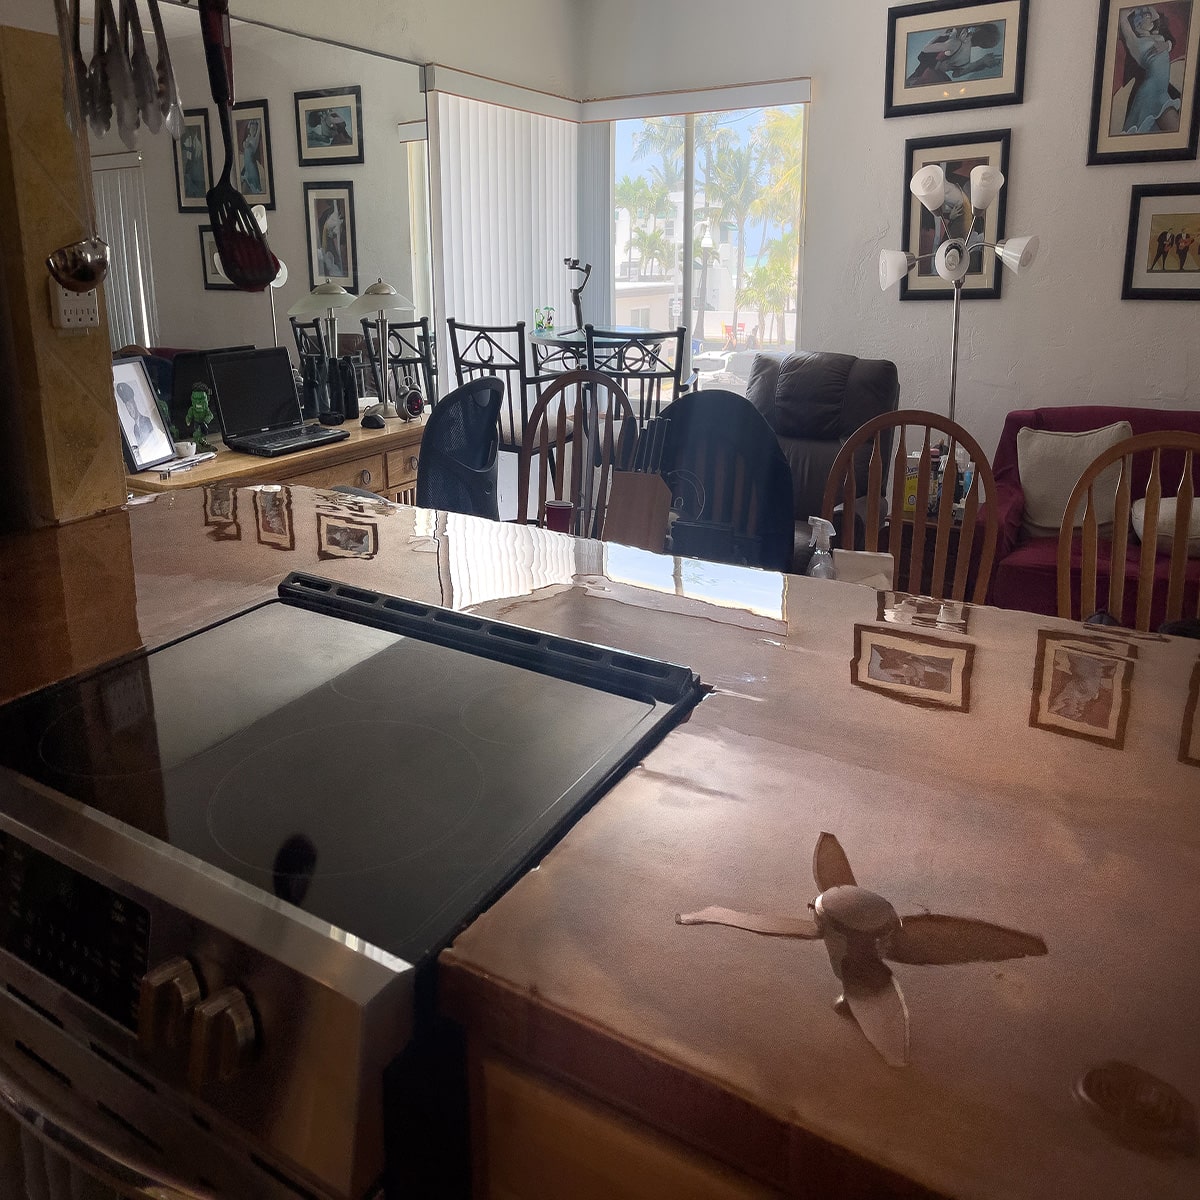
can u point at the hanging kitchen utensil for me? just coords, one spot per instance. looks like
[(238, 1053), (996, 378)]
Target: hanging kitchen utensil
[(120, 78), (241, 243), (78, 66), (145, 87), (99, 95), (82, 265), (168, 93)]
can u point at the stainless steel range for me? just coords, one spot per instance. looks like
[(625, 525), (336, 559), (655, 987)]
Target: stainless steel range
[(227, 866)]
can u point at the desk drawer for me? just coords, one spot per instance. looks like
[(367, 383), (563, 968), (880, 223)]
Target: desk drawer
[(366, 472), (402, 473)]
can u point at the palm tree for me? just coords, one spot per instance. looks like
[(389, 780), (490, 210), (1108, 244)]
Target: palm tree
[(652, 247), (734, 191), (633, 195)]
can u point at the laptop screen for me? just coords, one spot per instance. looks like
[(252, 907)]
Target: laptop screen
[(255, 391)]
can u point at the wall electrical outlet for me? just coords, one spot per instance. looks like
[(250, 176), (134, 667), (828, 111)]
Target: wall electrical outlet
[(73, 310)]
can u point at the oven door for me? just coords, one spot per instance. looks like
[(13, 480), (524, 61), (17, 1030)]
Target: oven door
[(49, 1152)]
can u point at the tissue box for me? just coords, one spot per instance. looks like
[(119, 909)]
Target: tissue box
[(863, 566)]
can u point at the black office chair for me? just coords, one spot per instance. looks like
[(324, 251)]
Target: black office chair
[(730, 484), (410, 364), (456, 469), (649, 366)]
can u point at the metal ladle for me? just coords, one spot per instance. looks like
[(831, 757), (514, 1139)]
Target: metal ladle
[(82, 265)]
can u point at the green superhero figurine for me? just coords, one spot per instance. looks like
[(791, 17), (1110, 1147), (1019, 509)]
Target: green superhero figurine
[(200, 415)]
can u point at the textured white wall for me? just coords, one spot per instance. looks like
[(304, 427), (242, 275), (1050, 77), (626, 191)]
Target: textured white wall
[(1061, 334)]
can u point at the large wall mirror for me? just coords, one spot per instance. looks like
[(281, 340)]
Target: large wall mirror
[(331, 139)]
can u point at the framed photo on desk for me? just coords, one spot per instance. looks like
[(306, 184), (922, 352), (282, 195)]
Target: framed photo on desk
[(144, 435)]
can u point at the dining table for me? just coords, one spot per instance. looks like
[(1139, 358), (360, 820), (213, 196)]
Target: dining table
[(654, 1008)]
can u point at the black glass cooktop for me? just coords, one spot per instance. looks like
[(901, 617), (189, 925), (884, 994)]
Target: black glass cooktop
[(386, 766)]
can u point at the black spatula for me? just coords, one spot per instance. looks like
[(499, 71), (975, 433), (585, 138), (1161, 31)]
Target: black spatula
[(245, 255)]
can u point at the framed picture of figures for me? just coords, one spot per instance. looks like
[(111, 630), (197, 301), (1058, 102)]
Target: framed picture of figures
[(1144, 104), (254, 176), (332, 244), (947, 56), (329, 126), (1162, 252), (957, 155), (193, 162)]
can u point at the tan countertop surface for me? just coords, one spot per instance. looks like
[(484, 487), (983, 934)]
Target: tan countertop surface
[(985, 801)]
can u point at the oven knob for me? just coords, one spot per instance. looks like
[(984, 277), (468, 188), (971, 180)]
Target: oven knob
[(168, 995), (223, 1037)]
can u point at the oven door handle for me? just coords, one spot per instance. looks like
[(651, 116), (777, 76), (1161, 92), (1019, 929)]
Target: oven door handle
[(86, 1147)]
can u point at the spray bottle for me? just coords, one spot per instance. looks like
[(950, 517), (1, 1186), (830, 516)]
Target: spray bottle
[(820, 566)]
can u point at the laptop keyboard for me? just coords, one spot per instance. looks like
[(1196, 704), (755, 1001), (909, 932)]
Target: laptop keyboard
[(291, 437)]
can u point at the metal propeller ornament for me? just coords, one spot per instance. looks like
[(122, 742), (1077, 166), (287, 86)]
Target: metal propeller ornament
[(861, 929)]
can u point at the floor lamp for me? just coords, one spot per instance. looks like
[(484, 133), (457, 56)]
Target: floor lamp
[(952, 259), (259, 212), (377, 301)]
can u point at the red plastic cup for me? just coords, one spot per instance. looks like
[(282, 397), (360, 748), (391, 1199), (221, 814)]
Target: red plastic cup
[(560, 515)]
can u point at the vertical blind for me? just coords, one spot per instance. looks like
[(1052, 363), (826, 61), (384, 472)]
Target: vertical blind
[(123, 223), (507, 203)]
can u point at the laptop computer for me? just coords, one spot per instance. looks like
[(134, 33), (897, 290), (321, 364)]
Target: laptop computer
[(190, 367), (259, 408)]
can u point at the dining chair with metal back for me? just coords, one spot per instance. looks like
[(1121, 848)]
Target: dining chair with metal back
[(410, 366), (648, 365), (1158, 579), (956, 561), (500, 351), (581, 429)]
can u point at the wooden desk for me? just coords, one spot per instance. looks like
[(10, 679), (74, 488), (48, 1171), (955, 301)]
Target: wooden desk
[(380, 460)]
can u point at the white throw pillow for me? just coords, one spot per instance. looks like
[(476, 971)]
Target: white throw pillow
[(1166, 524), (1050, 464)]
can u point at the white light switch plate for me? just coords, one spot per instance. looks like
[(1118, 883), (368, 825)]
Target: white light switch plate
[(73, 310)]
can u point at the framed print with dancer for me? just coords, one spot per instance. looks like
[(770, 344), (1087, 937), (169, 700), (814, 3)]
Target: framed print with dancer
[(193, 162), (252, 170), (329, 126), (957, 155), (1162, 253), (1144, 103), (329, 222), (944, 56)]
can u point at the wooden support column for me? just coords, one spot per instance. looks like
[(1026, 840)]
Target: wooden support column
[(60, 441)]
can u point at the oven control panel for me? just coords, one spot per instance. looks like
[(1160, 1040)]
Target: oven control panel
[(86, 937)]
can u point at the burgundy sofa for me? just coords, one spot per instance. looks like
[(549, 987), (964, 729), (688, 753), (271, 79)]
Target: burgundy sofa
[(1025, 575)]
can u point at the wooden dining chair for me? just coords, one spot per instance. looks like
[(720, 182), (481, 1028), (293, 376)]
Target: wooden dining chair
[(1085, 552), (581, 429), (648, 366), (942, 557)]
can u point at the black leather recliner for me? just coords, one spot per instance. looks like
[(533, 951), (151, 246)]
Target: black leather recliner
[(814, 400)]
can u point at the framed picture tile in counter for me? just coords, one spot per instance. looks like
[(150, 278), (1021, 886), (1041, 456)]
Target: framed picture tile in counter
[(1144, 102), (1162, 250), (193, 162), (946, 56), (957, 155), (329, 223), (329, 126), (254, 176), (1081, 686), (927, 671)]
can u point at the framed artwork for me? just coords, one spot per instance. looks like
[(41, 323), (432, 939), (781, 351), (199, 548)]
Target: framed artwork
[(214, 281), (1144, 105), (253, 173), (273, 517), (957, 155), (329, 226), (1081, 686), (144, 434), (220, 512), (344, 537), (329, 126), (947, 56), (1162, 248), (1189, 739), (930, 672), (193, 162)]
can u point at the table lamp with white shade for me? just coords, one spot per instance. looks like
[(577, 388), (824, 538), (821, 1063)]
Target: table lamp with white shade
[(377, 301), (323, 302), (952, 258)]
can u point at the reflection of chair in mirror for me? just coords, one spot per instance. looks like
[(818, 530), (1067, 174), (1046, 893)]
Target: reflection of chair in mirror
[(954, 557), (645, 364), (730, 484), (482, 351), (1157, 580), (582, 417), (310, 338), (456, 471), (410, 367)]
